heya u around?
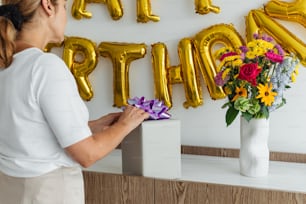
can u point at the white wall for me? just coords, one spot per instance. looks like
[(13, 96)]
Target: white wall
[(201, 126)]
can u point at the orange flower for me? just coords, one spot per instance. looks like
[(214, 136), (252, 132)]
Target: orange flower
[(240, 92)]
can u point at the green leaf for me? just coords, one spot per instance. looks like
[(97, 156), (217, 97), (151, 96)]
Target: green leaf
[(247, 116), (287, 86), (228, 104), (230, 115), (265, 112)]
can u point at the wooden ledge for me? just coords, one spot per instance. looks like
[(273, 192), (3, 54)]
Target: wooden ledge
[(231, 152), (228, 152)]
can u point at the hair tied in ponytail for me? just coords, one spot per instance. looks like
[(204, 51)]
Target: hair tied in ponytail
[(11, 12)]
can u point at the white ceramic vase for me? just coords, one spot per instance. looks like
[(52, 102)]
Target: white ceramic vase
[(254, 150)]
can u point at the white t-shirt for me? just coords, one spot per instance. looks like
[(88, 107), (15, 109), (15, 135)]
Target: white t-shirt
[(41, 113)]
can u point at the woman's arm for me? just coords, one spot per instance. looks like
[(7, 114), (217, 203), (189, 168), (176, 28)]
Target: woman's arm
[(103, 122), (103, 141)]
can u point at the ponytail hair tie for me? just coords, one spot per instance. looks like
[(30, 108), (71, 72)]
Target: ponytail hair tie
[(11, 12)]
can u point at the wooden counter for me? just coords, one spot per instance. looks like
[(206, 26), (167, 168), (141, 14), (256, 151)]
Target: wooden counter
[(205, 179)]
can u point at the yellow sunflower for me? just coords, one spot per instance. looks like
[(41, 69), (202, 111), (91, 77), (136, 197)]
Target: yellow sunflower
[(266, 94), (240, 92)]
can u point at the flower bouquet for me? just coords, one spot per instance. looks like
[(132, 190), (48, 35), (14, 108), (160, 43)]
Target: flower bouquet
[(255, 77)]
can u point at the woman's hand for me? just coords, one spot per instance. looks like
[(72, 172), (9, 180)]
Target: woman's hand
[(103, 122), (132, 117), (108, 132)]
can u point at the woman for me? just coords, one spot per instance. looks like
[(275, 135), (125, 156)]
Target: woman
[(45, 135)]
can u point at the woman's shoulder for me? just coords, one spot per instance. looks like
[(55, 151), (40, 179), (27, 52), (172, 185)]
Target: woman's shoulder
[(37, 56), (47, 63), (49, 58)]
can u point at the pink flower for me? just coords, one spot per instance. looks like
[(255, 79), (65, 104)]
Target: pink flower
[(227, 55), (219, 80), (274, 57)]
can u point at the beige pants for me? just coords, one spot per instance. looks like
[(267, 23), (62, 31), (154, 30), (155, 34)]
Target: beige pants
[(62, 186)]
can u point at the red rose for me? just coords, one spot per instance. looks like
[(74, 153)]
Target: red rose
[(249, 72)]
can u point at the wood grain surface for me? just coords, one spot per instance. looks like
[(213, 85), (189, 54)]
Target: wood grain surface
[(104, 188)]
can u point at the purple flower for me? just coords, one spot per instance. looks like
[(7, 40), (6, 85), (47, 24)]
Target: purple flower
[(267, 38), (279, 49), (255, 35), (244, 48), (219, 80)]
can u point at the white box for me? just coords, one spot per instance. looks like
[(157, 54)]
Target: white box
[(153, 150)]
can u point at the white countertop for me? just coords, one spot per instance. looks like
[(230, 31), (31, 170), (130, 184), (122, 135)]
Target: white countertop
[(285, 176)]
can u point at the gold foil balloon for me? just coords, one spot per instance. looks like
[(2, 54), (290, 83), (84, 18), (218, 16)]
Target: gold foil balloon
[(49, 46), (205, 7), (78, 9), (81, 58), (160, 65), (251, 26), (144, 12), (190, 75), (175, 75), (115, 8), (258, 21), (292, 11), (166, 75), (121, 54), (204, 42)]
